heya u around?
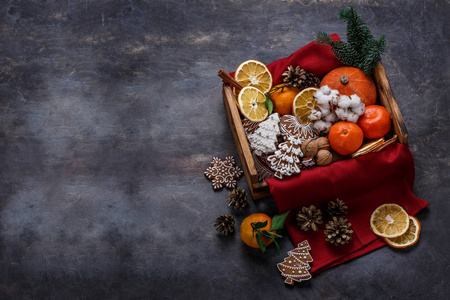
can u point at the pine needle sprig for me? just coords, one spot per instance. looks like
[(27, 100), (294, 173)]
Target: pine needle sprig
[(357, 31), (361, 49)]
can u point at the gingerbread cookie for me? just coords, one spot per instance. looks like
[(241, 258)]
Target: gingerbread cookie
[(262, 167), (223, 173), (308, 162), (264, 139), (296, 266), (290, 126), (286, 161), (249, 126)]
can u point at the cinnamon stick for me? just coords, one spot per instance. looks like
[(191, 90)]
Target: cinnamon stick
[(228, 79)]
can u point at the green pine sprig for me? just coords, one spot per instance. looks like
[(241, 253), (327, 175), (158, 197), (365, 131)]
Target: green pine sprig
[(361, 50)]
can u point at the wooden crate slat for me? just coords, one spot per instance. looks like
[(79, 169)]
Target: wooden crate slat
[(388, 101)]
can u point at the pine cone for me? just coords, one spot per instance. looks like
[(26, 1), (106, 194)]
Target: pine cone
[(337, 209), (309, 218), (237, 198), (338, 231), (299, 78), (225, 224)]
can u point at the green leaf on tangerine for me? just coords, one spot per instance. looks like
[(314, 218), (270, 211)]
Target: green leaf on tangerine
[(260, 243), (278, 221), (269, 105), (258, 225)]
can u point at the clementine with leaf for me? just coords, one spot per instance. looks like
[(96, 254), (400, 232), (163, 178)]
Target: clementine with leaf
[(345, 137), (282, 97), (248, 231), (258, 230)]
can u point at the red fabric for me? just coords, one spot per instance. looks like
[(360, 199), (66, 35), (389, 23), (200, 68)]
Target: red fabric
[(313, 58), (363, 183)]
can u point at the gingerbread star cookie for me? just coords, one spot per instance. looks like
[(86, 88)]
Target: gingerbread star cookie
[(223, 173)]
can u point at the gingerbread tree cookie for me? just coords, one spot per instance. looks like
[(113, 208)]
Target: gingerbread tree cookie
[(296, 266), (264, 139), (223, 173), (286, 160)]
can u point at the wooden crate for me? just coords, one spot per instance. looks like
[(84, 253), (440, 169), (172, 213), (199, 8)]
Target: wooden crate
[(261, 189)]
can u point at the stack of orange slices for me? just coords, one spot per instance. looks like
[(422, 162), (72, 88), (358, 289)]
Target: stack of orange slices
[(257, 81), (398, 229)]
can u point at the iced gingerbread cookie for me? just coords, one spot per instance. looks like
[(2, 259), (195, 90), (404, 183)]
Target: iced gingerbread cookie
[(223, 173), (287, 160), (290, 126), (262, 167), (296, 266), (249, 126), (264, 139)]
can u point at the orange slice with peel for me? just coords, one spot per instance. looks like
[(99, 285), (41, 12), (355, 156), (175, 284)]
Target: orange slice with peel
[(389, 221), (303, 103), (252, 104), (254, 73), (407, 239)]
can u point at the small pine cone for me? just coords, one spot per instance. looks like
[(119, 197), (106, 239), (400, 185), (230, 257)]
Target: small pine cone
[(225, 224), (338, 231), (337, 209), (309, 218), (299, 78), (310, 81), (294, 77), (237, 198)]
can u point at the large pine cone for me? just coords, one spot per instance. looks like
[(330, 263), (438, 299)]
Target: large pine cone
[(309, 218), (337, 209), (338, 231)]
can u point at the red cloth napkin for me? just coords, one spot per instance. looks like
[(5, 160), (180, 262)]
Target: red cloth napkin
[(313, 58), (363, 183)]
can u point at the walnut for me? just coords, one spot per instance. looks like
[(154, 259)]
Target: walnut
[(323, 157), (309, 148), (323, 143)]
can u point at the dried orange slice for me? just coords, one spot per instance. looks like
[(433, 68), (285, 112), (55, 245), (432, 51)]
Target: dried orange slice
[(303, 103), (252, 104), (389, 221), (254, 73), (407, 239)]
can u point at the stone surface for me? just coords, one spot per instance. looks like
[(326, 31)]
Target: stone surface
[(110, 111)]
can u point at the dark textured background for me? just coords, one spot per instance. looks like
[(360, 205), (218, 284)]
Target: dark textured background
[(110, 111)]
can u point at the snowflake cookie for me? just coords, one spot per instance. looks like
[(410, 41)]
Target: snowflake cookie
[(223, 173)]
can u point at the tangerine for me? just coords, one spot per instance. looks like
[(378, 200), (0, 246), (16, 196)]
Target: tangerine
[(375, 122), (345, 137), (282, 98), (248, 234)]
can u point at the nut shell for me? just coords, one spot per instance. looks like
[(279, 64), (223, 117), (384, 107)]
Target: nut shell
[(323, 158), (309, 148), (323, 143)]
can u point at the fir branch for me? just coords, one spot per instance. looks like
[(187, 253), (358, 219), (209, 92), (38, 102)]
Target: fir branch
[(361, 50), (345, 52), (372, 54), (357, 31)]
